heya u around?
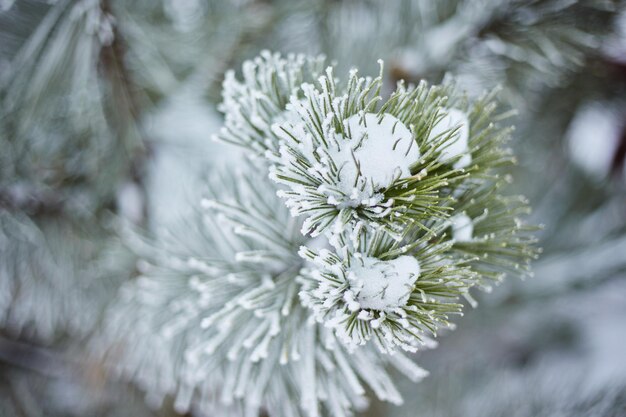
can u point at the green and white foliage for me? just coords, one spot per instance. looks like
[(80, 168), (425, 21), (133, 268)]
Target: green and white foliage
[(395, 296), (345, 159), (252, 105), (215, 318), (252, 302), (406, 191)]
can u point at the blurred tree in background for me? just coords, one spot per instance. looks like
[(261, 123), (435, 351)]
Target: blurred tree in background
[(106, 112)]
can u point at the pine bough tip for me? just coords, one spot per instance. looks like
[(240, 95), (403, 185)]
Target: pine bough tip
[(373, 218)]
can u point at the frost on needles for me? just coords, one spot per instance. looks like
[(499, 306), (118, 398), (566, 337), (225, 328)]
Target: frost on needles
[(353, 235)]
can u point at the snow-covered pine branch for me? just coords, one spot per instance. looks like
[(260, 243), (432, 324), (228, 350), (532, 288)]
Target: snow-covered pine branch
[(396, 298), (347, 159), (392, 211), (417, 170), (252, 105), (215, 318)]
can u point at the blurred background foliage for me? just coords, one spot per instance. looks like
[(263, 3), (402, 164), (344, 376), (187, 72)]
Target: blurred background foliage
[(107, 107)]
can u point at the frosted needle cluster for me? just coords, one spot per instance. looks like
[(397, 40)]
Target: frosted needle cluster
[(359, 226)]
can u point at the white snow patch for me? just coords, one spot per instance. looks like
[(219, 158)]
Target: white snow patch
[(593, 137), (388, 147), (458, 145), (462, 228), (383, 285), (381, 150)]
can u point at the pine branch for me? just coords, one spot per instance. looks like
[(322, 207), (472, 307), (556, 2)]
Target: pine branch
[(369, 248)]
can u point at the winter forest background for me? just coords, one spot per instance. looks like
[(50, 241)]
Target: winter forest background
[(106, 117)]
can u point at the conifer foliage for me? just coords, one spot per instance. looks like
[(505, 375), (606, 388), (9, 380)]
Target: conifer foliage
[(361, 222)]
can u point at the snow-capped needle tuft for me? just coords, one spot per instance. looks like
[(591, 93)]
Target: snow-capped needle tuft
[(383, 285), (341, 160)]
